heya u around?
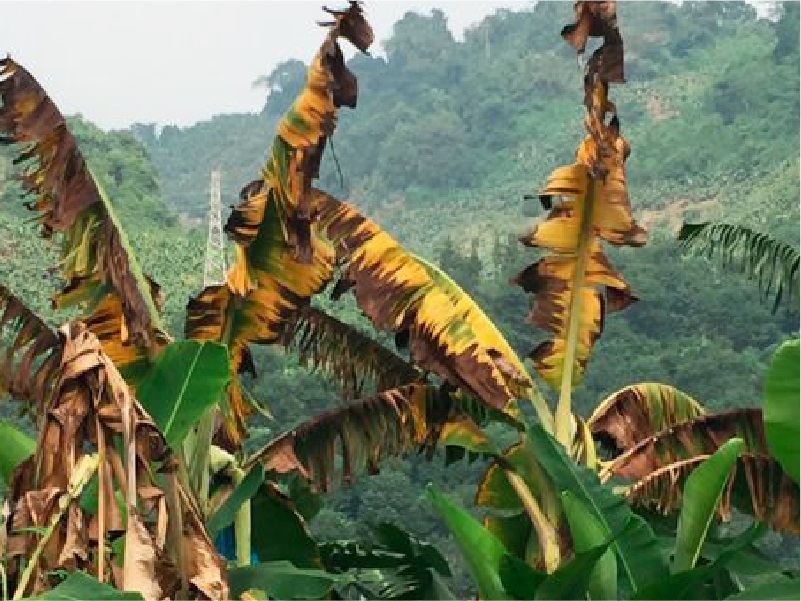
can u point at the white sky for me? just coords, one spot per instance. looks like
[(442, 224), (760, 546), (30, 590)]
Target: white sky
[(119, 62), (180, 61)]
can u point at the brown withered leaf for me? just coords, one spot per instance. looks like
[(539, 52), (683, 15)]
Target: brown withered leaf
[(635, 412), (91, 406), (70, 200), (364, 433)]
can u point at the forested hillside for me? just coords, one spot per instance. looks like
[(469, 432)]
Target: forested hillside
[(446, 140)]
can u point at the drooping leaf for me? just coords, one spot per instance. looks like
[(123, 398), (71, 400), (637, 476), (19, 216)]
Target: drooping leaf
[(781, 409), (636, 548), (187, 379), (29, 353), (244, 491), (80, 586), (659, 465), (16, 448), (343, 352), (588, 534), (482, 551), (772, 263), (638, 411), (280, 262), (97, 259), (702, 493), (364, 433), (447, 332)]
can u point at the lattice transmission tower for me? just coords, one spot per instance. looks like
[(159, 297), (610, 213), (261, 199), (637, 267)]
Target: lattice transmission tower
[(215, 270)]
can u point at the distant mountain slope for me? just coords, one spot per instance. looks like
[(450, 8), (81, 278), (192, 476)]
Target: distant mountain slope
[(469, 127)]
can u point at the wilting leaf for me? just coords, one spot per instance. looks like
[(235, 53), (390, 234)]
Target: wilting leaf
[(80, 586), (97, 259), (588, 534), (638, 411), (29, 353), (187, 379), (16, 448), (772, 263), (659, 465), (447, 332), (702, 494), (482, 551), (781, 411), (639, 559), (341, 351), (365, 432)]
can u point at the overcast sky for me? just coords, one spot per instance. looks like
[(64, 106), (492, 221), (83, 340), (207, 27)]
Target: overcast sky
[(119, 62)]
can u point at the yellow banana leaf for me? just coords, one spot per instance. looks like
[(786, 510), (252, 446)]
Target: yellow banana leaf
[(302, 133), (447, 332)]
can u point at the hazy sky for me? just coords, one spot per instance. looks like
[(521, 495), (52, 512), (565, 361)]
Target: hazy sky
[(119, 62)]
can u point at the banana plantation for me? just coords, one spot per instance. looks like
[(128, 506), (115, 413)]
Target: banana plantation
[(139, 477)]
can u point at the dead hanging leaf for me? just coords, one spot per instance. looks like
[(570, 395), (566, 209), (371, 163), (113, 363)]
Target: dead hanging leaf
[(349, 356), (96, 253), (638, 411), (364, 433), (29, 354), (447, 332), (91, 406)]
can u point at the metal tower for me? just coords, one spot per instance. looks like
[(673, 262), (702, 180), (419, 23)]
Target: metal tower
[(215, 270)]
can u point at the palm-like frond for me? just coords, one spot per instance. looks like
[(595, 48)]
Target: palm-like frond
[(360, 435), (97, 259), (658, 465), (349, 356), (772, 263), (447, 332), (28, 365)]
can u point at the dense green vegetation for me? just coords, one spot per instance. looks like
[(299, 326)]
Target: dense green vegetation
[(447, 138)]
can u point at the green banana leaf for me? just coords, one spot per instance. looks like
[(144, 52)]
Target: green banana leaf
[(16, 448), (781, 408)]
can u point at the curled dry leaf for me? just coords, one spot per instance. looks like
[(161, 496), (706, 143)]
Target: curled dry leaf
[(635, 412), (91, 407)]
